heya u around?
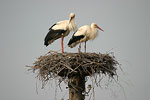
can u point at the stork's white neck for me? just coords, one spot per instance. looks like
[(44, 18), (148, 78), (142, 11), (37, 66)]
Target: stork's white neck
[(72, 25), (93, 32)]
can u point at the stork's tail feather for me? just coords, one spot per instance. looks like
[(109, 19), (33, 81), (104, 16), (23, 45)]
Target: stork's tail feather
[(45, 43), (48, 42)]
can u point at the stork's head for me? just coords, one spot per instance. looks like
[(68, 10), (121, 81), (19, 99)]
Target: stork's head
[(72, 16), (96, 26)]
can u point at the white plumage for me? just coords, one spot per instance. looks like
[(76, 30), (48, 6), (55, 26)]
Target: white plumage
[(65, 25), (60, 30), (84, 34)]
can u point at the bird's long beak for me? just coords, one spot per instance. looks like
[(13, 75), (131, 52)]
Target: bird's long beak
[(70, 19), (100, 29)]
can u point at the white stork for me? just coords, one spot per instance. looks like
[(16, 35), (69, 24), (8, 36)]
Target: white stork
[(84, 34), (60, 30)]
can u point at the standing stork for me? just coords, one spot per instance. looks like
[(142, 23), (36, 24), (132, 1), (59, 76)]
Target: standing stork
[(84, 34), (60, 30)]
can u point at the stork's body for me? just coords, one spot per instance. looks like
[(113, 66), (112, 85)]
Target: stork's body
[(60, 30), (84, 34)]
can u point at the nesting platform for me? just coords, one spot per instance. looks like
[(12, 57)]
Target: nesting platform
[(67, 65)]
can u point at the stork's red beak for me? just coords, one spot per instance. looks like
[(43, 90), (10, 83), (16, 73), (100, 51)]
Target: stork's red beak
[(100, 29)]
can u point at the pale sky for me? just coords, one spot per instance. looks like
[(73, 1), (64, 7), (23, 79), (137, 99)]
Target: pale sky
[(25, 23)]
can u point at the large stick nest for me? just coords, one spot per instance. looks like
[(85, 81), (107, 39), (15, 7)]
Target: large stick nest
[(54, 64)]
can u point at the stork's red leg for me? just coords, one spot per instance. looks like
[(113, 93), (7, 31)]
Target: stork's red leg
[(62, 47), (85, 46)]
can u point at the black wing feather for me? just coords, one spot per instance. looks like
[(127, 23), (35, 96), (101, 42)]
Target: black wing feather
[(75, 39), (51, 26), (52, 35)]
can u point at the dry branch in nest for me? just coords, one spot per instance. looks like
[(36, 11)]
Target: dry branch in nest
[(54, 64)]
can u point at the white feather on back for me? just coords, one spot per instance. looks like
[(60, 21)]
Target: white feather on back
[(61, 25), (89, 32), (82, 30)]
